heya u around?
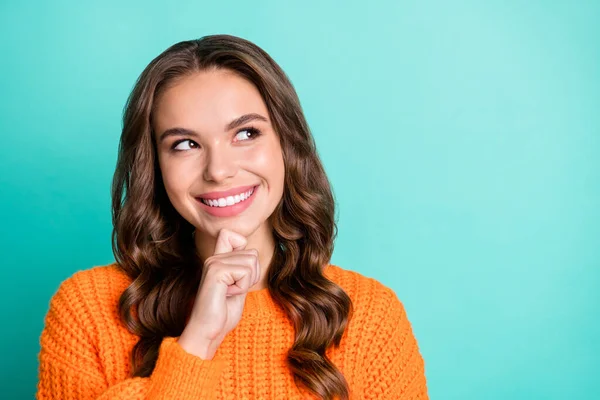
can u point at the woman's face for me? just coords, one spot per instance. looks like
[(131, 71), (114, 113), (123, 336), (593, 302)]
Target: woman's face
[(219, 156)]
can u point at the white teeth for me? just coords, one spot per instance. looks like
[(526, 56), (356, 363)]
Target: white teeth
[(229, 200)]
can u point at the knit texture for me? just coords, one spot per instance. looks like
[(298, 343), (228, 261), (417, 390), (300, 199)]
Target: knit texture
[(85, 348)]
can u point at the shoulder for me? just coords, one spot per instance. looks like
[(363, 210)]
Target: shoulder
[(378, 312), (380, 339), (102, 282), (364, 290), (379, 332), (89, 297)]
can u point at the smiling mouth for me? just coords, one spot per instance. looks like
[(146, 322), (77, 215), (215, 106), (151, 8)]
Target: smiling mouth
[(229, 200)]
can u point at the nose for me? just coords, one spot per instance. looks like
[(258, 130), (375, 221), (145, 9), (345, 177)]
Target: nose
[(220, 165)]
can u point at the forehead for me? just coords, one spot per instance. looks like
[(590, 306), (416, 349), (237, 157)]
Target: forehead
[(207, 99)]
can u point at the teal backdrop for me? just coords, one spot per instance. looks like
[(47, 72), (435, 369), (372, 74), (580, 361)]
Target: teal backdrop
[(462, 140)]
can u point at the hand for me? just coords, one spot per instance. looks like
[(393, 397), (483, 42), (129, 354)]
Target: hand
[(226, 278)]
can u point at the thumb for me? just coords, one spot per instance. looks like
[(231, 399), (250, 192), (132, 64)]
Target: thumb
[(229, 241)]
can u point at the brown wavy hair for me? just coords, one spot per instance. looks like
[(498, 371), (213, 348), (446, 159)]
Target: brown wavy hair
[(154, 246)]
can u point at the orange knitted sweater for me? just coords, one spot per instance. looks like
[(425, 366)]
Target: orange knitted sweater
[(85, 348)]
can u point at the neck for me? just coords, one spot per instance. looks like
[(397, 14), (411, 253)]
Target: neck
[(261, 239)]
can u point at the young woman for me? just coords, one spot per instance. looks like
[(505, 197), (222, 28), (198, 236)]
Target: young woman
[(223, 231)]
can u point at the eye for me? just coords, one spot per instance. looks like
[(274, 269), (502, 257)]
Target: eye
[(247, 134), (180, 145)]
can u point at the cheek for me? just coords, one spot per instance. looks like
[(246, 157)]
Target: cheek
[(175, 178), (268, 162)]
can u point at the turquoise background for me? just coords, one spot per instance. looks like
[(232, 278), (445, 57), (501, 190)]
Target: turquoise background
[(462, 140)]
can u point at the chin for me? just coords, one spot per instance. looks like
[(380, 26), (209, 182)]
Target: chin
[(238, 225)]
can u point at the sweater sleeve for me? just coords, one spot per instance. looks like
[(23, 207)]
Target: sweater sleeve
[(70, 367), (394, 366)]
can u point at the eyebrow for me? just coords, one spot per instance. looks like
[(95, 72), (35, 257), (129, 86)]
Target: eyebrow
[(232, 125)]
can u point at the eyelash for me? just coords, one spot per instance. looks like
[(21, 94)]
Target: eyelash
[(252, 130)]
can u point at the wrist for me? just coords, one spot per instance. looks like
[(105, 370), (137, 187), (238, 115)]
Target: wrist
[(196, 345)]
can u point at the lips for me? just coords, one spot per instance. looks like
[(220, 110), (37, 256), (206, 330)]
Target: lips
[(224, 194), (229, 200), (217, 208)]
